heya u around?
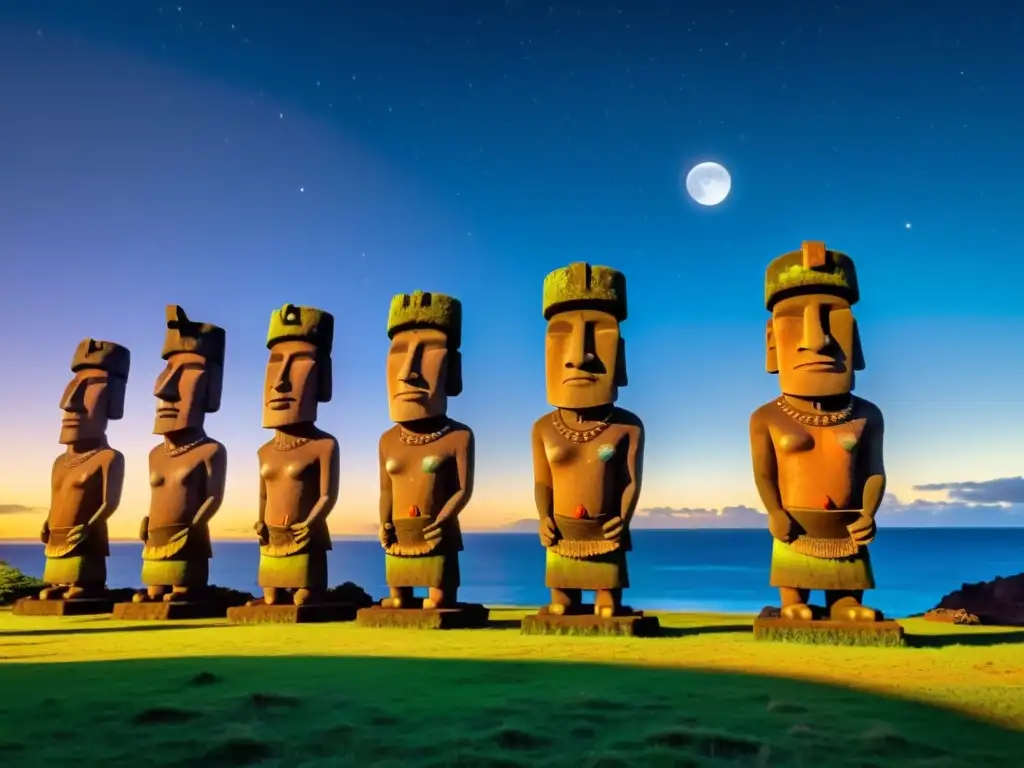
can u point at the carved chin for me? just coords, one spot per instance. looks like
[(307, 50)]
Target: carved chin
[(84, 431), (164, 426), (590, 396), (413, 410), (294, 415), (816, 384)]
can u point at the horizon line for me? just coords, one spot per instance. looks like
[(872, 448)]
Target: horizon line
[(507, 532)]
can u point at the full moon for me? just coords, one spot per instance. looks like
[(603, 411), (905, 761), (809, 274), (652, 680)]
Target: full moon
[(708, 183)]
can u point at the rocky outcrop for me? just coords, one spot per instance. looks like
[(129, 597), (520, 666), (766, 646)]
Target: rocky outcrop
[(998, 602)]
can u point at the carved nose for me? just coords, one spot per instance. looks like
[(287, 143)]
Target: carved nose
[(577, 362)]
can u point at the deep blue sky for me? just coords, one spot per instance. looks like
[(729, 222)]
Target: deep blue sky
[(234, 156)]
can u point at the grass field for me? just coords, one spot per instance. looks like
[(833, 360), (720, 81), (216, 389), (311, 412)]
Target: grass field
[(92, 691)]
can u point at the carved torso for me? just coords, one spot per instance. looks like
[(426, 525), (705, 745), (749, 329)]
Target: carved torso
[(292, 479), (816, 463), (179, 484), (425, 476), (594, 474), (77, 492)]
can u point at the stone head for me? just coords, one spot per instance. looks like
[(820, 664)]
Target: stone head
[(585, 358), (189, 387), (95, 394), (812, 339), (424, 365), (299, 374)]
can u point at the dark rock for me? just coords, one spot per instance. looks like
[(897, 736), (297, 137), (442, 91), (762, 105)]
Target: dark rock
[(998, 602), (950, 616)]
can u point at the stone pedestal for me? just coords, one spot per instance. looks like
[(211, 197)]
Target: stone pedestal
[(460, 616), (261, 613), (85, 606), (583, 621), (882, 633), (161, 611)]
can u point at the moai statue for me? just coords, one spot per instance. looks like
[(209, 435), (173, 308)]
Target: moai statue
[(86, 483), (187, 470), (299, 467), (587, 454), (817, 449), (426, 466)]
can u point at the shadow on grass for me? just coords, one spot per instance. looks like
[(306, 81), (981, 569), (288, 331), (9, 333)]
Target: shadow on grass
[(665, 631), (156, 626), (281, 711), (980, 639)]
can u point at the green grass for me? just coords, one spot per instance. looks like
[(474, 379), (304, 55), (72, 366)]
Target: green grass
[(94, 691)]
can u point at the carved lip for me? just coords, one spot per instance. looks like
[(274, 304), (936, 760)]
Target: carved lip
[(280, 400), (72, 422), (579, 381), (167, 411), (411, 394), (818, 365)]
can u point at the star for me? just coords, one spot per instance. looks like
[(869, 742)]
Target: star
[(907, 225), (302, 189)]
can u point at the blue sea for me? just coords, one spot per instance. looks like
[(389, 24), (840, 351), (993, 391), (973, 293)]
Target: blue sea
[(683, 570)]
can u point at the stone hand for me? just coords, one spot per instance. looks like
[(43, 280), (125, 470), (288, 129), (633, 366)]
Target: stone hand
[(180, 535), (548, 532), (78, 534), (44, 534), (432, 532), (300, 531), (262, 533), (386, 535), (782, 526), (614, 528), (863, 530)]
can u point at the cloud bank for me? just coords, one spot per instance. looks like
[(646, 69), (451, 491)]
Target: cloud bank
[(18, 509)]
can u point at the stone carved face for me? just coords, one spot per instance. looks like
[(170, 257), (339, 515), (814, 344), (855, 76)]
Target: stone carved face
[(91, 399), (584, 359), (293, 385), (419, 370), (813, 344), (185, 392)]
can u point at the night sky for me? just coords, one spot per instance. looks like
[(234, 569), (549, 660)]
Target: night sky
[(232, 157)]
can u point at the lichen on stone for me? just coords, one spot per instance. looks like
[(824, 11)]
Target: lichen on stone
[(425, 309), (581, 282)]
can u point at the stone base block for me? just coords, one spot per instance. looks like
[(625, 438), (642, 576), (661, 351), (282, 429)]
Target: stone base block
[(882, 633), (291, 614), (85, 606), (582, 621), (161, 611), (461, 616)]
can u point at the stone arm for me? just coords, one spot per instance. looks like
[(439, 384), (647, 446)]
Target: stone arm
[(113, 484), (465, 463), (261, 515), (635, 473), (872, 467), (216, 467), (44, 534), (330, 469), (766, 468), (543, 490), (386, 504)]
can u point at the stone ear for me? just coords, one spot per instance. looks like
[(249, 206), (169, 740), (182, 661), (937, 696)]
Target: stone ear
[(116, 389), (324, 379), (214, 387), (858, 349), (621, 377), (453, 381), (771, 363)]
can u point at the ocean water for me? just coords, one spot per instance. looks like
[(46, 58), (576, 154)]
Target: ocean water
[(686, 570)]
